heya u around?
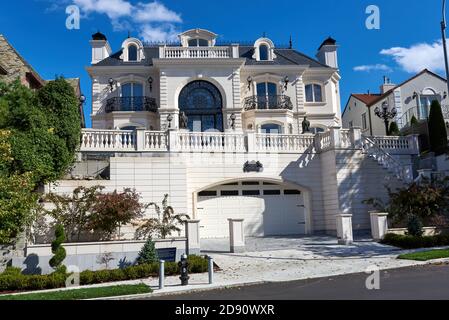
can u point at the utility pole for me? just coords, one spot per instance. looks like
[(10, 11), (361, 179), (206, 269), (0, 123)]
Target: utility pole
[(443, 32)]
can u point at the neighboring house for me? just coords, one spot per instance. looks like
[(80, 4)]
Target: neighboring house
[(13, 66), (411, 98), (219, 128)]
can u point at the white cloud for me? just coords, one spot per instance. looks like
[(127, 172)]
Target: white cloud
[(155, 12), (158, 34), (114, 9), (153, 20), (418, 57), (373, 67)]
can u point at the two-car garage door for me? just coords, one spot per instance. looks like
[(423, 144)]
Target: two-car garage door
[(268, 210)]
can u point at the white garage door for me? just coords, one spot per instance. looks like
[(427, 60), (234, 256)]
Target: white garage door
[(268, 210)]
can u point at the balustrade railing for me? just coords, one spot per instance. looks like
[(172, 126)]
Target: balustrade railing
[(180, 141), (196, 52), (284, 142), (107, 140), (209, 142), (267, 102), (131, 104)]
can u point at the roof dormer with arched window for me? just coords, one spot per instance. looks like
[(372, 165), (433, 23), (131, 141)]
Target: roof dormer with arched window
[(198, 38), (264, 50), (132, 50)]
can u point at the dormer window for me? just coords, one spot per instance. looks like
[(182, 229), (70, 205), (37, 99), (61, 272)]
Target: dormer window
[(198, 43), (132, 50), (264, 50)]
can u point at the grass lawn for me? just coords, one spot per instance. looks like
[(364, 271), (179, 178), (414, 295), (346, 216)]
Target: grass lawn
[(78, 294), (426, 255)]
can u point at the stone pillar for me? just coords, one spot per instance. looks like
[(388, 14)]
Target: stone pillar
[(335, 136), (414, 143), (236, 235), (251, 140), (379, 225), (173, 140), (193, 237), (344, 229), (356, 137), (140, 139)]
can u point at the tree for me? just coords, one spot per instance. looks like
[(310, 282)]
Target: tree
[(414, 121), (163, 226), (17, 199), (394, 129), (148, 254), (58, 250), (112, 210), (45, 128), (437, 129), (73, 211)]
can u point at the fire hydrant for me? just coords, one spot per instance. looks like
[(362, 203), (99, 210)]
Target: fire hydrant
[(183, 265)]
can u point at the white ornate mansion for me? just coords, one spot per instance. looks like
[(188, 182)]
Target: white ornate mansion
[(233, 131)]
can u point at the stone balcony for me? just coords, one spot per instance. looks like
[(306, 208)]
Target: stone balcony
[(220, 52), (124, 104), (272, 102)]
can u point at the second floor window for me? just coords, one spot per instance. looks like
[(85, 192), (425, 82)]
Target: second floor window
[(424, 105), (314, 93), (132, 96), (198, 43), (266, 95)]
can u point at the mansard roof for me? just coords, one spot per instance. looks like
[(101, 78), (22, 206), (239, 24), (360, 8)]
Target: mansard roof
[(284, 57)]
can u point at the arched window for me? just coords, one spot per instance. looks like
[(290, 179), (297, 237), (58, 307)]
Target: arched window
[(132, 52), (202, 103), (263, 52), (271, 128), (314, 93)]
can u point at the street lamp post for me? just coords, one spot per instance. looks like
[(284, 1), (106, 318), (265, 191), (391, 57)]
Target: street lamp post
[(443, 32), (385, 114)]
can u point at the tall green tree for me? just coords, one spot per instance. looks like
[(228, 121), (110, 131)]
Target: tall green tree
[(394, 129), (437, 129)]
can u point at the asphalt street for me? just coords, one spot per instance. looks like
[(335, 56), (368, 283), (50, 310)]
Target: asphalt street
[(430, 282)]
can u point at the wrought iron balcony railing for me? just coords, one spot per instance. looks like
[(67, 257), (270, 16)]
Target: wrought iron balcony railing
[(267, 102), (131, 104)]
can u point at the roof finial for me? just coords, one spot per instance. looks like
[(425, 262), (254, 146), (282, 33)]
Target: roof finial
[(264, 34), (129, 34), (290, 44)]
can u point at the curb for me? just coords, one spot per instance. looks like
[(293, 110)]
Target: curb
[(178, 292)]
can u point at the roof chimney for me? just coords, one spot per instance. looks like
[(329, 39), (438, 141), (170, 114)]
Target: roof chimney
[(100, 47), (327, 53), (387, 85)]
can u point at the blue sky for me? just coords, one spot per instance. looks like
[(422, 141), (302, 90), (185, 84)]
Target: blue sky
[(407, 41)]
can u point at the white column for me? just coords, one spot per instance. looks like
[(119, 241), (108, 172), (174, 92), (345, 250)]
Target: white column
[(193, 237), (379, 225), (344, 229), (414, 143), (236, 235), (251, 139), (173, 140), (140, 139)]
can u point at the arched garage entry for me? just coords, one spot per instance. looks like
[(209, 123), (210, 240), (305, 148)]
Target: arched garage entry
[(270, 207)]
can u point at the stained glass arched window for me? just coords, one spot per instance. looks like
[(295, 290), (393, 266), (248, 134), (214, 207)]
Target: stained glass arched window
[(202, 103)]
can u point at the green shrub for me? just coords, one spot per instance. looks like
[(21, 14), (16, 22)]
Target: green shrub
[(437, 129), (58, 250), (415, 242), (19, 282), (394, 129), (11, 271), (414, 226), (148, 254)]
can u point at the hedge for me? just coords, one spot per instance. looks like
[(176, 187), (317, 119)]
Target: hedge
[(415, 242), (13, 280)]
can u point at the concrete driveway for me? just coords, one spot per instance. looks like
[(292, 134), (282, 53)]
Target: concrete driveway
[(296, 258)]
